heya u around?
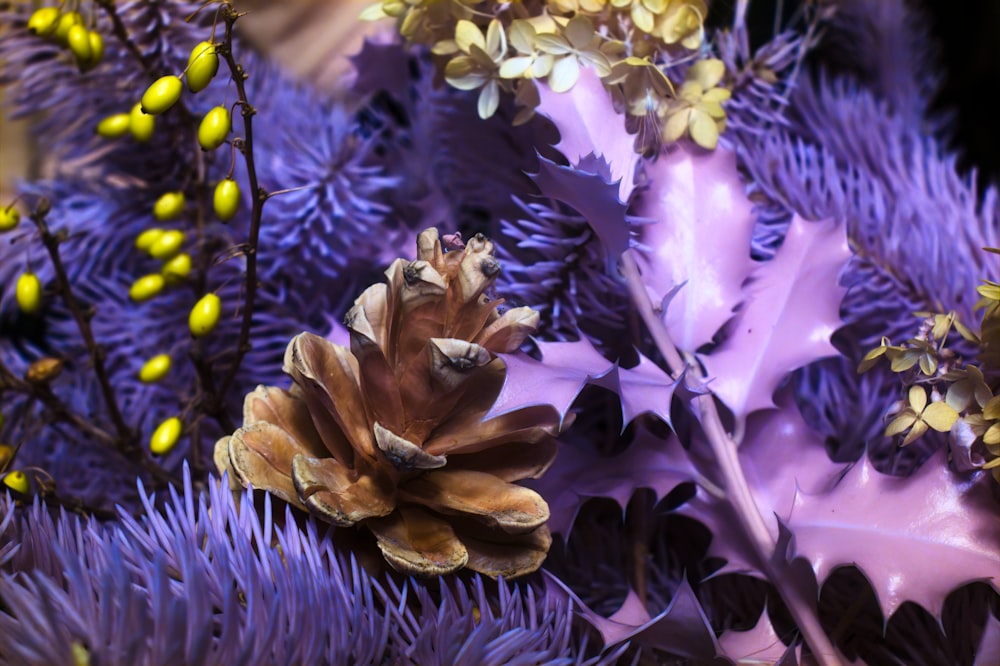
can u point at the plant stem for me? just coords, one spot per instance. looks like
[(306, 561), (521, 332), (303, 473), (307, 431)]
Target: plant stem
[(126, 438), (734, 480), (257, 195)]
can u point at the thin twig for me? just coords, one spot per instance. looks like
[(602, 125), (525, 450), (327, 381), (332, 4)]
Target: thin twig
[(257, 195), (126, 438), (738, 489)]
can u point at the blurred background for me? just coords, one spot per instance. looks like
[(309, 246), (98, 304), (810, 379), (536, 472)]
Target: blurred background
[(314, 37)]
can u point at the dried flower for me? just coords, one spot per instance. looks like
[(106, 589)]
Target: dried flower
[(390, 433)]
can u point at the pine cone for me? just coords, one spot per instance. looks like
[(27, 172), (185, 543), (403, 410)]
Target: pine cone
[(389, 434)]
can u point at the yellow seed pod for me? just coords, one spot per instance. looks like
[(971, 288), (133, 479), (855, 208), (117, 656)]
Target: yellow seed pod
[(146, 287), (29, 293), (16, 481), (226, 200), (9, 218), (6, 455), (145, 240), (96, 50), (168, 206), (177, 268), (162, 95), (165, 436), (204, 315), (167, 245), (141, 124), (78, 40), (155, 369), (203, 64), (44, 370), (43, 21), (64, 25), (214, 128), (114, 126)]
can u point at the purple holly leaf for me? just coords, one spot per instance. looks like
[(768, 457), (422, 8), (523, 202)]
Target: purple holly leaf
[(381, 67), (682, 629), (643, 389), (988, 653), (578, 475), (556, 380), (781, 457), (589, 125), (591, 196), (915, 539), (759, 645), (700, 239), (792, 309)]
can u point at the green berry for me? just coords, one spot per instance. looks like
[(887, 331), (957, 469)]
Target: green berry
[(16, 481), (146, 287), (203, 64), (114, 126), (162, 95), (141, 124), (78, 40), (9, 218), (43, 21), (165, 436), (205, 315), (226, 199), (214, 128), (167, 245), (28, 293), (168, 206), (155, 369)]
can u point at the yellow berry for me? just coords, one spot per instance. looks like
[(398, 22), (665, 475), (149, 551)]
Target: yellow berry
[(65, 24), (146, 287), (165, 436), (29, 293), (168, 206), (226, 199), (167, 245), (145, 240), (177, 268), (204, 315), (141, 124), (162, 95), (214, 128), (96, 43), (43, 21), (16, 481), (203, 63), (155, 369), (78, 40), (114, 126), (9, 218)]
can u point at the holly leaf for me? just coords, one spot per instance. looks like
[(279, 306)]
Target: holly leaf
[(589, 125), (792, 309), (782, 457), (591, 196), (556, 380), (915, 538), (643, 389), (988, 653), (700, 239), (759, 645), (579, 474), (381, 67), (682, 629)]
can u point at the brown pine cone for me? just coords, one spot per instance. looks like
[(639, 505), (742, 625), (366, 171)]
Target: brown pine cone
[(389, 434)]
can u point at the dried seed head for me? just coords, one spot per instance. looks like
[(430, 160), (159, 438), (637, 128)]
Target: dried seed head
[(389, 434)]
